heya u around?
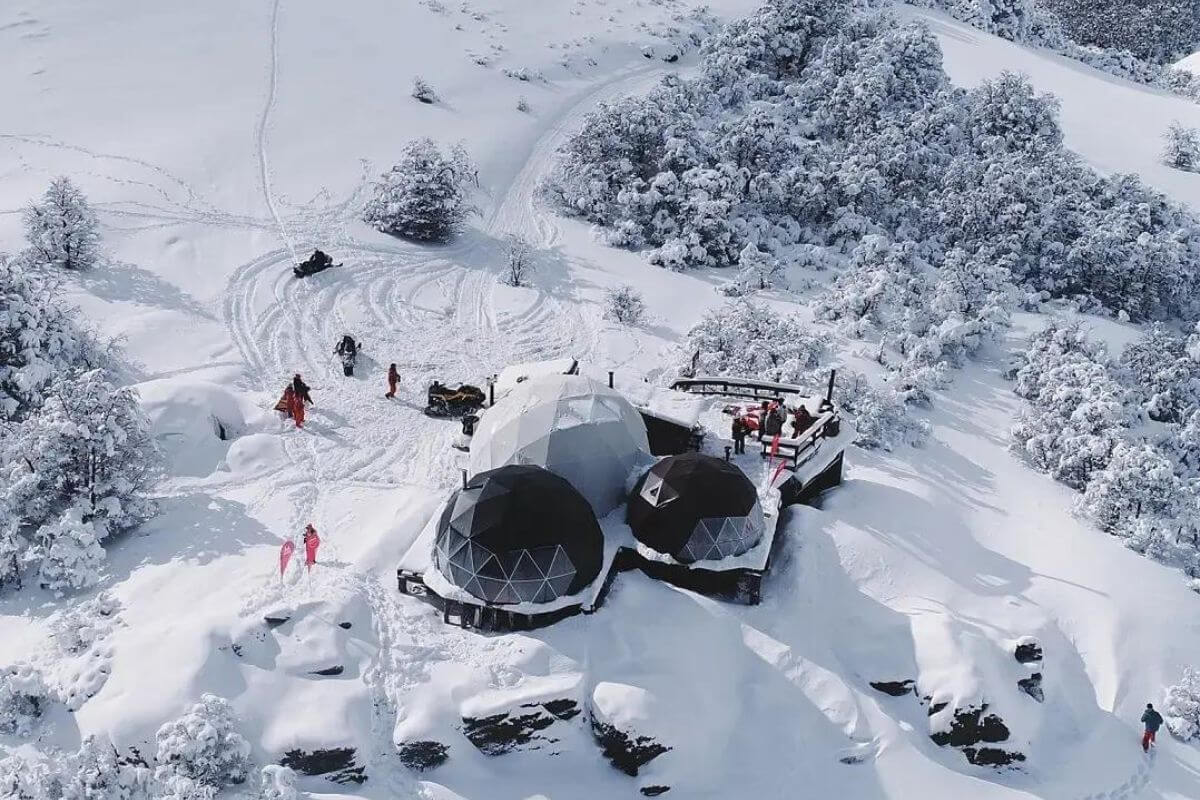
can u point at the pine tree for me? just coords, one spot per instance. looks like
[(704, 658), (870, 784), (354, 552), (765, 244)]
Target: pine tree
[(757, 269), (62, 230), (424, 196)]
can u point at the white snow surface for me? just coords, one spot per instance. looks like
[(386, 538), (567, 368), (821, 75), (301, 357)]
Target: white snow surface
[(217, 138)]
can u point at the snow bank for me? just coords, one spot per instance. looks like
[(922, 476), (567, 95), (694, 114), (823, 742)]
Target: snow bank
[(195, 421)]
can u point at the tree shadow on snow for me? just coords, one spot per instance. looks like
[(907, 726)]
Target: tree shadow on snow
[(119, 282), (196, 527)]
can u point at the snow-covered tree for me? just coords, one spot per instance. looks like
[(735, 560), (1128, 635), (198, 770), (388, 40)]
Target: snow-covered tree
[(62, 229), (277, 783), (38, 340), (883, 286), (23, 699), (757, 269), (97, 772), (1162, 375), (743, 338), (73, 556), (421, 90), (424, 196), (519, 262), (1157, 30), (1077, 410), (202, 749), (1181, 147), (624, 304), (881, 418), (1138, 481), (1181, 706), (27, 778), (89, 448), (77, 628)]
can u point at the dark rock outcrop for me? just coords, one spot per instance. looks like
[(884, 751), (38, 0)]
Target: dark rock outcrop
[(628, 752), (275, 620), (336, 669), (972, 726), (423, 755), (894, 688), (520, 728), (654, 791), (345, 625), (336, 764), (1032, 686), (1028, 653)]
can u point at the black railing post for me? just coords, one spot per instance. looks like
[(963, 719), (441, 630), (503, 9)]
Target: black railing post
[(492, 394), (829, 392), (610, 379), (464, 478)]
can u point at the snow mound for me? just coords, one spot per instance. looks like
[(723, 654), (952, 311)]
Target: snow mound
[(194, 421)]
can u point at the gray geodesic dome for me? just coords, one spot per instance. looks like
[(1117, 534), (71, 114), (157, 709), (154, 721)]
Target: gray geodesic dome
[(573, 426), (518, 534)]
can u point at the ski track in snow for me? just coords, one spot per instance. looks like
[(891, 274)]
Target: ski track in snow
[(1133, 785)]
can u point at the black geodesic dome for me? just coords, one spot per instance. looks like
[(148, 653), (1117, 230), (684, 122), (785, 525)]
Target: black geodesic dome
[(695, 507), (517, 534)]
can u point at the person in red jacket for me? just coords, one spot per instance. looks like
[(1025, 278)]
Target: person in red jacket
[(298, 409), (393, 378)]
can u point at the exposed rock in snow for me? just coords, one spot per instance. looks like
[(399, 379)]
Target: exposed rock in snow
[(501, 721), (1032, 686), (894, 688), (623, 727), (1028, 652), (337, 764), (969, 728), (423, 755)]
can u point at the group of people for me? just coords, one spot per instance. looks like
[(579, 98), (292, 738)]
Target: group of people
[(769, 421), (295, 396)]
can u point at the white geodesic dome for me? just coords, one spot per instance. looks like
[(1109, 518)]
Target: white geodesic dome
[(573, 426)]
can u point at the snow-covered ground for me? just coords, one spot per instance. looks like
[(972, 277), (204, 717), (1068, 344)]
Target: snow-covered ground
[(217, 138)]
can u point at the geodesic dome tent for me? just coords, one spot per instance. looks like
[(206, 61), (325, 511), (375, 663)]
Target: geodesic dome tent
[(573, 426), (518, 534), (695, 507)]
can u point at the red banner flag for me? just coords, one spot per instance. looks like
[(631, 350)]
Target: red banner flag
[(311, 543), (285, 555)]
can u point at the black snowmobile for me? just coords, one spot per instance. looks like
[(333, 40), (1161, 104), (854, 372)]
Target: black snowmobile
[(317, 262), (444, 401), (347, 349)]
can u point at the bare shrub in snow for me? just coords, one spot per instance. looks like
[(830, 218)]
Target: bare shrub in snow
[(1181, 706), (743, 338), (624, 304), (424, 196), (202, 750), (23, 698), (422, 91), (519, 263), (1181, 148), (523, 105), (62, 229)]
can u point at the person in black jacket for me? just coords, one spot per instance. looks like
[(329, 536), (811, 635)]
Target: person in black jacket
[(1153, 721), (301, 389)]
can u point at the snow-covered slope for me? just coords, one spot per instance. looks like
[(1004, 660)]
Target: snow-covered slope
[(217, 138)]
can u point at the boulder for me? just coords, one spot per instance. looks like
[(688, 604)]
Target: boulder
[(1032, 686), (1028, 652), (970, 727), (624, 725)]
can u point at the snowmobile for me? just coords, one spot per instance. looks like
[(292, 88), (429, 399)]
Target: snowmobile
[(347, 349), (317, 262), (444, 401)]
